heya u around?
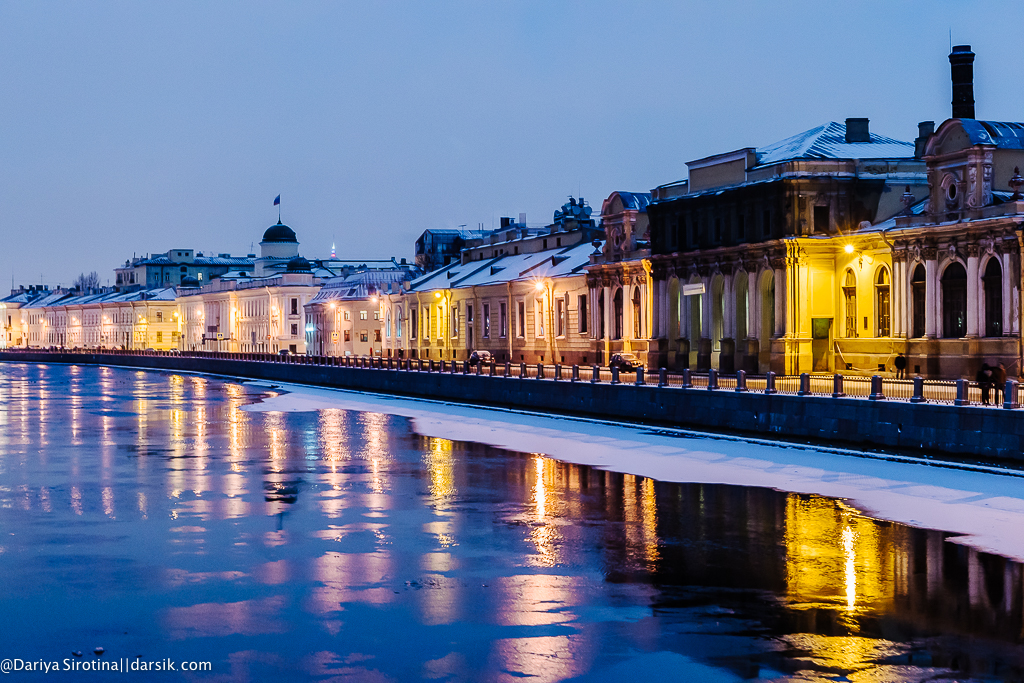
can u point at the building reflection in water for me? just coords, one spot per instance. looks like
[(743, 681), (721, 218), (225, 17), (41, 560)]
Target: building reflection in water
[(355, 518)]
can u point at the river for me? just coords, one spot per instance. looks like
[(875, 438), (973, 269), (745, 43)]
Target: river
[(160, 517)]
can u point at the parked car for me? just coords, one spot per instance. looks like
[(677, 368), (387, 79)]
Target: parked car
[(283, 352), (480, 357), (625, 362)]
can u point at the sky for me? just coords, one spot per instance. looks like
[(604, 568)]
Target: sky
[(129, 128)]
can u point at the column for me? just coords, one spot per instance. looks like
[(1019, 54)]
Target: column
[(663, 309), (728, 308), (705, 310), (607, 311), (753, 306), (1010, 325), (973, 295), (897, 297), (931, 314), (780, 298)]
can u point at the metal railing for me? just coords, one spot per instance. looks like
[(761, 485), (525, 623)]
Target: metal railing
[(959, 392)]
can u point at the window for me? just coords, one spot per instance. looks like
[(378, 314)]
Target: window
[(850, 297), (821, 220), (199, 275), (295, 306), (521, 318), (364, 336), (617, 314), (398, 322), (348, 315), (502, 320), (376, 314), (362, 315), (348, 335), (882, 302), (455, 321), (159, 336), (538, 314), (560, 317), (993, 287), (487, 321), (387, 324), (954, 302), (159, 316), (413, 328), (376, 335), (582, 313), (295, 330), (426, 323), (917, 285)]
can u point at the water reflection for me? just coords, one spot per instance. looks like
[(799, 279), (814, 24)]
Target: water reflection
[(341, 543)]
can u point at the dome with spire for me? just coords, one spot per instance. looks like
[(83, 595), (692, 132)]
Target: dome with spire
[(299, 265), (279, 233)]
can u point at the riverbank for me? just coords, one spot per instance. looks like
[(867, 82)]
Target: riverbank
[(965, 433)]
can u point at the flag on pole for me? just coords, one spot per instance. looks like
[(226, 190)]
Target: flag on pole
[(277, 200)]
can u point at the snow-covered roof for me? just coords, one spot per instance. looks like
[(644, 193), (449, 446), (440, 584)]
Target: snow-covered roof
[(72, 299), (828, 141), (1002, 134), (549, 263), (359, 285)]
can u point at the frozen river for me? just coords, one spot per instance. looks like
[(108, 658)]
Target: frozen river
[(281, 533)]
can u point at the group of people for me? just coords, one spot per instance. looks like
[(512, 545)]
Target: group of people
[(991, 378), (988, 378)]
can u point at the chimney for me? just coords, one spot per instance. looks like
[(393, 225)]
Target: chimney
[(924, 131), (522, 219), (857, 130), (961, 66), (505, 221)]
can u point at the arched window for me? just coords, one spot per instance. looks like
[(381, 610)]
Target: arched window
[(600, 314), (398, 322), (882, 302), (993, 280), (954, 302), (917, 286), (850, 299), (637, 315), (617, 314), (387, 324)]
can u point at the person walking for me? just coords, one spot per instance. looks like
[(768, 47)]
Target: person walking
[(984, 379), (998, 380), (901, 366)]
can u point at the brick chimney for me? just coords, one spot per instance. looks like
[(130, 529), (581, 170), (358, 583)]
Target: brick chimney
[(961, 65), (857, 130)]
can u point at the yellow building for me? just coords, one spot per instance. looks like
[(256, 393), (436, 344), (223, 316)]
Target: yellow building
[(523, 299)]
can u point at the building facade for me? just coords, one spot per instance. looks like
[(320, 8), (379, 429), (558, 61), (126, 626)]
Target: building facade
[(171, 267), (524, 299), (346, 317)]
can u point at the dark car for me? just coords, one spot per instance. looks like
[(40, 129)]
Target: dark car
[(480, 358), (283, 352), (625, 362)]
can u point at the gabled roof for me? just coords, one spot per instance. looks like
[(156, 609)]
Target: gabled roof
[(637, 201), (828, 141)]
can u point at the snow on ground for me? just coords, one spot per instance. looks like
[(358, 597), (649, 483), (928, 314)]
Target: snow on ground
[(985, 506)]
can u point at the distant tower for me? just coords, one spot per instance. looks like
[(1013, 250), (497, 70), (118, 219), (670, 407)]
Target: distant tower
[(333, 253)]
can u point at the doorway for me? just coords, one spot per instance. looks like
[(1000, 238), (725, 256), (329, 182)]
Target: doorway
[(821, 344)]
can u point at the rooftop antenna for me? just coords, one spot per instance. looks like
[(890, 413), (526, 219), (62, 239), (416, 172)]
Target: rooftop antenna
[(277, 203), (950, 38)]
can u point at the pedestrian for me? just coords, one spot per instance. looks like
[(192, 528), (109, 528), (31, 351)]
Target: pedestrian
[(999, 380), (984, 380), (901, 366)]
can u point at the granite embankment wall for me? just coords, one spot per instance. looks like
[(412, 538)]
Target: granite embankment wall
[(964, 432)]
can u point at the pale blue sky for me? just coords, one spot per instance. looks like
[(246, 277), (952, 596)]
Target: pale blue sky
[(136, 127)]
